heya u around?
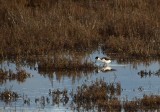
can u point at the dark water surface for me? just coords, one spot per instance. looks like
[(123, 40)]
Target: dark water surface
[(38, 85)]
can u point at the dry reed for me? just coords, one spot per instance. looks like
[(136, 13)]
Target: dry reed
[(42, 27)]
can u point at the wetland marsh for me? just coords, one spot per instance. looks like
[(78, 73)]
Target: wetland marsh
[(48, 50), (72, 89)]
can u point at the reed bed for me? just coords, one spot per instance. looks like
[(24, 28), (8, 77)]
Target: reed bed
[(147, 103), (99, 95), (42, 27)]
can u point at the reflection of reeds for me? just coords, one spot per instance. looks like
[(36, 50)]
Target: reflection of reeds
[(69, 66), (20, 76), (41, 27), (3, 76), (65, 68), (145, 73), (65, 63)]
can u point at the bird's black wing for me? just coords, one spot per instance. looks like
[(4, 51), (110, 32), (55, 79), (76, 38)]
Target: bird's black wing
[(106, 58)]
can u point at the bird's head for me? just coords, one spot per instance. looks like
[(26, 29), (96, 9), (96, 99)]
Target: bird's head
[(96, 58)]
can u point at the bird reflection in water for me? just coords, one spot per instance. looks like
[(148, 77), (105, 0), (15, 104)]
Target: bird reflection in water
[(104, 69)]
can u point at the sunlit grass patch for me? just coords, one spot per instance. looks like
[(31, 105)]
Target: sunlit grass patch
[(8, 96)]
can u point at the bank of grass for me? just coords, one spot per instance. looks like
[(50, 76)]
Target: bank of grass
[(43, 27)]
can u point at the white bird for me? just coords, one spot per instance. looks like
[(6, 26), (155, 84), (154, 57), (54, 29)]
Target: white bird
[(105, 60)]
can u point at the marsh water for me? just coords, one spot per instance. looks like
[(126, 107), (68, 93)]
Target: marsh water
[(133, 76)]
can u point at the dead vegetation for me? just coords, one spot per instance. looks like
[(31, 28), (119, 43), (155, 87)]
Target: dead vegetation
[(42, 27), (147, 103), (20, 76), (8, 96), (98, 95)]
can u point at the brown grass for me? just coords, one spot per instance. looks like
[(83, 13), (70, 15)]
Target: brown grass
[(3, 76), (42, 27), (98, 95), (147, 103), (20, 76), (8, 96)]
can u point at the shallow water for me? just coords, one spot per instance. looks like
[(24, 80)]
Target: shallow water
[(38, 85)]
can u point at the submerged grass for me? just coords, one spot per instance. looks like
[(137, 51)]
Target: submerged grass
[(147, 103), (105, 97), (102, 96), (99, 95), (8, 96), (145, 73), (43, 27), (20, 76)]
